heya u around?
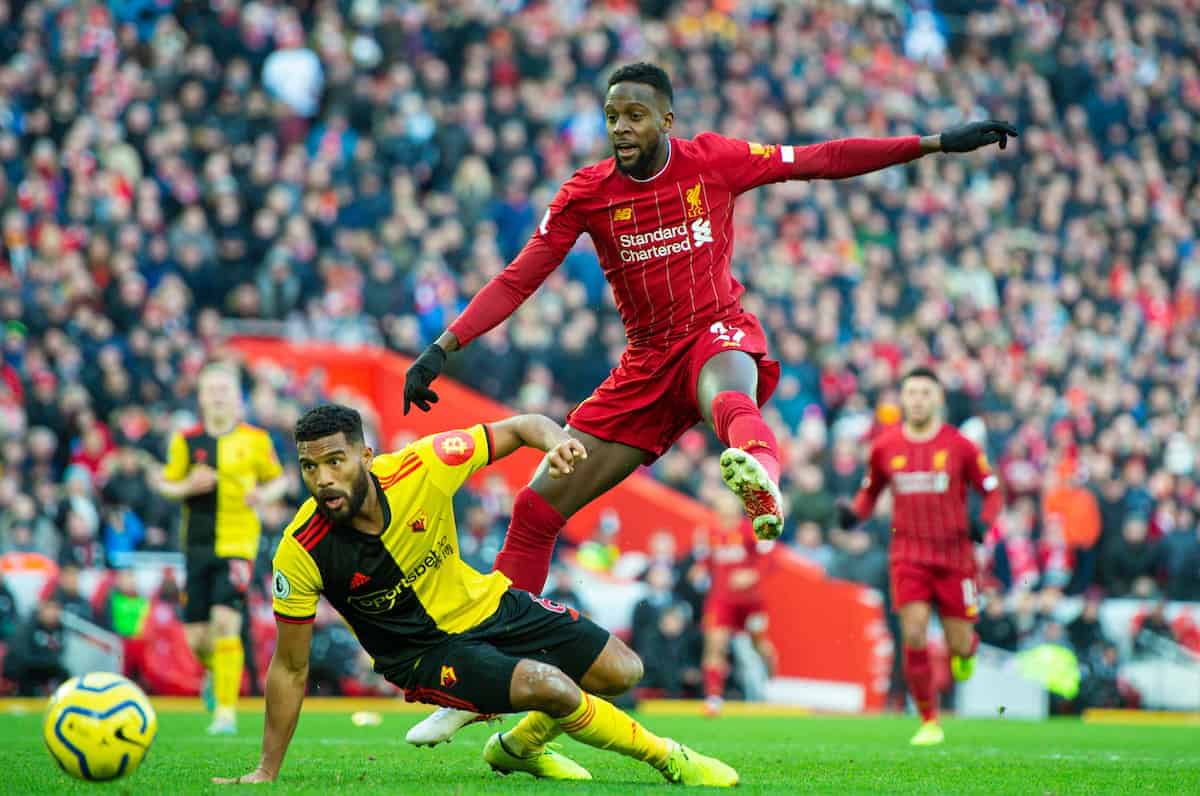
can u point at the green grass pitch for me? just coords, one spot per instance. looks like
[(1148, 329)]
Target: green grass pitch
[(773, 755)]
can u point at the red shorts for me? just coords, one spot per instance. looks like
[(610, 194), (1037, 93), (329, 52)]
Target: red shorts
[(952, 591), (734, 615), (649, 400)]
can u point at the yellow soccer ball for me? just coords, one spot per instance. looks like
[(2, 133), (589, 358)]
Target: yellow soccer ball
[(99, 726)]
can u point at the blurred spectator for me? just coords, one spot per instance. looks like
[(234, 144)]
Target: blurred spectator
[(8, 612), (123, 533), (1152, 631), (124, 611), (1131, 561), (1181, 553), (996, 626), (693, 577), (335, 654), (1098, 684), (480, 538), (856, 558), (671, 653), (648, 610), (1085, 632), (561, 589), (67, 594), (1029, 619), (810, 545), (34, 660), (810, 501)]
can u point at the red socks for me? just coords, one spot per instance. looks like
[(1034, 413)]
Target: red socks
[(714, 680), (529, 543), (919, 674), (739, 424)]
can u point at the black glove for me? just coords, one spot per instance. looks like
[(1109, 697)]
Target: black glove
[(846, 518), (976, 531), (420, 375), (969, 137)]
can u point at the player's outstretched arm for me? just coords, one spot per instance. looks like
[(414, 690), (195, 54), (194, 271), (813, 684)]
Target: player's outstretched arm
[(557, 232), (542, 433), (850, 157), (286, 679)]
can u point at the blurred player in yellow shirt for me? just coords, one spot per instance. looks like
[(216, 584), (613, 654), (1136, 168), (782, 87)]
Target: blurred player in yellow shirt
[(222, 469)]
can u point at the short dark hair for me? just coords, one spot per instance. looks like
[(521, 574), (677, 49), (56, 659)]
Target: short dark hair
[(922, 372), (328, 419), (649, 74)]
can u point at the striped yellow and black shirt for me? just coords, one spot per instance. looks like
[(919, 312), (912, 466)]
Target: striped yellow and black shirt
[(220, 520), (408, 588)]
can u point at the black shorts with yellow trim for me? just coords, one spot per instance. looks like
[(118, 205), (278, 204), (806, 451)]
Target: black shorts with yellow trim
[(473, 670), (214, 580)]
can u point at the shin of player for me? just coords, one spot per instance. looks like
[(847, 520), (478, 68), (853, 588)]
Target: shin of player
[(928, 465)]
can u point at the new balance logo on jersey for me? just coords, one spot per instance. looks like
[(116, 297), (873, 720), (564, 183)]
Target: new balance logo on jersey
[(358, 580)]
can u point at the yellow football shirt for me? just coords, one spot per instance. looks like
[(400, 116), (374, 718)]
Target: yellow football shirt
[(408, 588), (220, 520)]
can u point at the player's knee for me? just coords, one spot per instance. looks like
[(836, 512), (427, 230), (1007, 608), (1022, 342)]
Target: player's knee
[(960, 646), (622, 669), (543, 687), (224, 622), (914, 638), (629, 671)]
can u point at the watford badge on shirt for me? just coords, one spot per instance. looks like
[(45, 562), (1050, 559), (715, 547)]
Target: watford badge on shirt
[(449, 677)]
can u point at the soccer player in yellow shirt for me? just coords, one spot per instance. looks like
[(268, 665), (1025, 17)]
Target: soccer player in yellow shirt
[(378, 539), (222, 469)]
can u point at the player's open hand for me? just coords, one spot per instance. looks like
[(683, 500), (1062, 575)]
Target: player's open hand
[(253, 778), (969, 137), (562, 457), (420, 375)]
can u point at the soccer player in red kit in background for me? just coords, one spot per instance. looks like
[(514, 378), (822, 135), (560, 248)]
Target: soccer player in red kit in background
[(660, 214), (928, 464), (737, 562)]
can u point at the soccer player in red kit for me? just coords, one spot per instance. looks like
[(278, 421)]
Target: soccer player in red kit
[(928, 465), (737, 563), (660, 214)]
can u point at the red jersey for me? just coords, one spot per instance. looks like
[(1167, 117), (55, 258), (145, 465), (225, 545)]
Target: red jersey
[(929, 492), (665, 242), (731, 550)]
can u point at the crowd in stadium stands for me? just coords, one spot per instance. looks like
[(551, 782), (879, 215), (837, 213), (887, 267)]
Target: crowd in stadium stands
[(355, 170)]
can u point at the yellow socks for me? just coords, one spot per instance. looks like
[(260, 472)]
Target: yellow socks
[(531, 734), (227, 661), (605, 726)]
